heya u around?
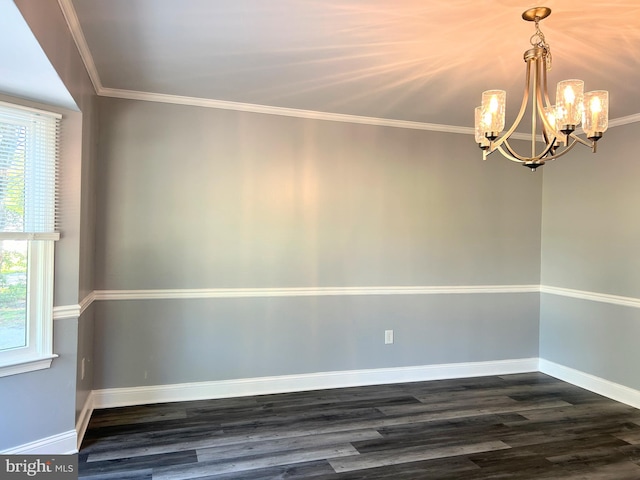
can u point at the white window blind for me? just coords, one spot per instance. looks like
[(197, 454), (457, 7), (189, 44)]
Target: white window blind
[(28, 183), (28, 173)]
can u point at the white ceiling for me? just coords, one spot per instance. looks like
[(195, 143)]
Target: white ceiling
[(25, 71), (421, 61)]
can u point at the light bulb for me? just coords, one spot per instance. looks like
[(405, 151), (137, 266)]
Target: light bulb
[(493, 104), (550, 114), (595, 119), (493, 108), (569, 96), (486, 119)]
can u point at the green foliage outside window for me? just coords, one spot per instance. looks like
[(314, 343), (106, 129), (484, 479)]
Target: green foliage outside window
[(13, 260), (13, 281)]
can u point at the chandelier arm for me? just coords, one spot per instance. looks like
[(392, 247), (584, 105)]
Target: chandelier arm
[(584, 142), (525, 99), (543, 99), (523, 159), (550, 141), (549, 148), (545, 84), (534, 105), (506, 146), (507, 155), (565, 151), (548, 130)]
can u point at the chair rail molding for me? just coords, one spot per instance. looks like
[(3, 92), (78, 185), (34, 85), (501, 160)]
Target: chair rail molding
[(308, 291), (592, 296)]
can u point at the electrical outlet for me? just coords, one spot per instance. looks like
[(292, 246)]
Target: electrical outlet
[(388, 337)]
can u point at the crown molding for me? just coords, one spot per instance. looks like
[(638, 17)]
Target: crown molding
[(617, 122), (77, 34), (281, 111), (85, 53), (289, 112), (314, 114)]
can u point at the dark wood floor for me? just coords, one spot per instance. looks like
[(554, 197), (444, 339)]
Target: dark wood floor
[(527, 426)]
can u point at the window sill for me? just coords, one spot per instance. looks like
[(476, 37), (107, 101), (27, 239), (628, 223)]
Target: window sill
[(26, 365)]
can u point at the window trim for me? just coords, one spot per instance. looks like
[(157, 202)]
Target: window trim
[(38, 353)]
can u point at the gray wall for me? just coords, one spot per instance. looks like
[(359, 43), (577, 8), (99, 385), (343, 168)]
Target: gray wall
[(28, 401), (593, 337), (591, 226), (590, 239), (39, 404), (156, 342), (200, 198), (192, 197)]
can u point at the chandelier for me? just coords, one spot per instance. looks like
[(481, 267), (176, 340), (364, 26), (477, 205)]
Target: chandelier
[(554, 124)]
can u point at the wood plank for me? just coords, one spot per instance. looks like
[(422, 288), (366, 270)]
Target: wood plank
[(525, 426), (412, 454), (251, 463), (275, 445)]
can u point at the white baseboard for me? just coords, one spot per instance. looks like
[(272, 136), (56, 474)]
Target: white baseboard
[(61, 444), (598, 385), (85, 416), (118, 397), (69, 442)]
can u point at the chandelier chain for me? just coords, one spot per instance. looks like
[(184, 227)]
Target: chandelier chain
[(538, 40)]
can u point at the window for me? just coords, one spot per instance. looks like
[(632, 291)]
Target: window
[(28, 172)]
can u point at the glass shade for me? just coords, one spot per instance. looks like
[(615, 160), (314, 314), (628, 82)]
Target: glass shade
[(596, 112), (550, 115), (493, 110), (479, 127), (569, 97)]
